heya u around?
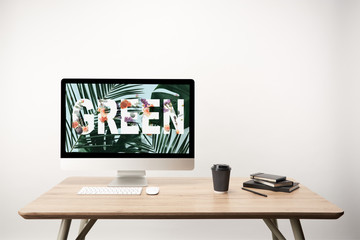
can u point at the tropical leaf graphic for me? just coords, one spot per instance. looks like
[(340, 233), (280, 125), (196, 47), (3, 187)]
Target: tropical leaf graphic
[(125, 143), (93, 142), (174, 92), (164, 143)]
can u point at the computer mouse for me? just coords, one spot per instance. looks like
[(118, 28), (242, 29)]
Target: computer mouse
[(152, 190)]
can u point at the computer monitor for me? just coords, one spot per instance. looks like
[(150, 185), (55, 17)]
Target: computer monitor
[(128, 125)]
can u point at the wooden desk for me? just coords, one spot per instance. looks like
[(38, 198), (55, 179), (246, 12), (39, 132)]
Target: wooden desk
[(179, 198)]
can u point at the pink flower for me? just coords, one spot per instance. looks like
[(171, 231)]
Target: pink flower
[(167, 128), (103, 118), (146, 112), (124, 104), (75, 124), (101, 110)]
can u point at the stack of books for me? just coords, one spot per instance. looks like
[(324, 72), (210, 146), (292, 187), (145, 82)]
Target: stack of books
[(271, 182)]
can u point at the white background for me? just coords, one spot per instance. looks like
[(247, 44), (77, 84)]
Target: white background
[(277, 87)]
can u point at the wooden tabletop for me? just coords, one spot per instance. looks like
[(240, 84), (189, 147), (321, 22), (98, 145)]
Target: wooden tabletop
[(179, 198)]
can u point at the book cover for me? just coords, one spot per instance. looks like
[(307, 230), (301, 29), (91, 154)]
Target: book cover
[(268, 177), (285, 183), (253, 184)]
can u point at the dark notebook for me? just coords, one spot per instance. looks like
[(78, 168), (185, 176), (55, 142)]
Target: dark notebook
[(285, 183), (253, 184), (268, 177)]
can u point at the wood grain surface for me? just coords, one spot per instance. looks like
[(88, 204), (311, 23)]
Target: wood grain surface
[(179, 198)]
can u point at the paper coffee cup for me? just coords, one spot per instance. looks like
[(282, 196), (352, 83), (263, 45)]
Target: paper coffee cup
[(221, 177)]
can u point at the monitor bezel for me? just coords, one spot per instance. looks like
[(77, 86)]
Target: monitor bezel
[(65, 154)]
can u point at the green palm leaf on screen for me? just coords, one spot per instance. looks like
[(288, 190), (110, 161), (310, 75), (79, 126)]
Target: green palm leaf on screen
[(93, 142), (174, 92), (172, 143), (129, 143), (163, 143)]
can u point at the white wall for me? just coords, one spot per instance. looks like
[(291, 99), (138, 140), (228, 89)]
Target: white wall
[(283, 75)]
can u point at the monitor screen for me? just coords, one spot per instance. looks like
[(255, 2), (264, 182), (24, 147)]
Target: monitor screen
[(140, 118)]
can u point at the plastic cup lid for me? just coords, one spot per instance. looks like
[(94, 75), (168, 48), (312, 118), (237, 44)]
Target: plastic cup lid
[(221, 167)]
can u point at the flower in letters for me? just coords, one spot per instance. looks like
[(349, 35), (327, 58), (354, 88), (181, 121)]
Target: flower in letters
[(147, 112), (146, 104), (75, 124), (85, 129), (128, 119), (124, 104), (103, 118)]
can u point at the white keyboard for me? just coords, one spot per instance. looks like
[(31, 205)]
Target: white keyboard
[(111, 190)]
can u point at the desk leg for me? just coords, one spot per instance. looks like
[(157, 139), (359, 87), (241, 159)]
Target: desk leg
[(274, 229), (83, 223), (86, 229), (64, 229), (276, 225), (297, 229)]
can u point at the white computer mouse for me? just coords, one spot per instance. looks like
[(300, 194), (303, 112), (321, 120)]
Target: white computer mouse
[(152, 190)]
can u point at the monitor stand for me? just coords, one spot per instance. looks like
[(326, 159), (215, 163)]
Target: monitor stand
[(129, 179)]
